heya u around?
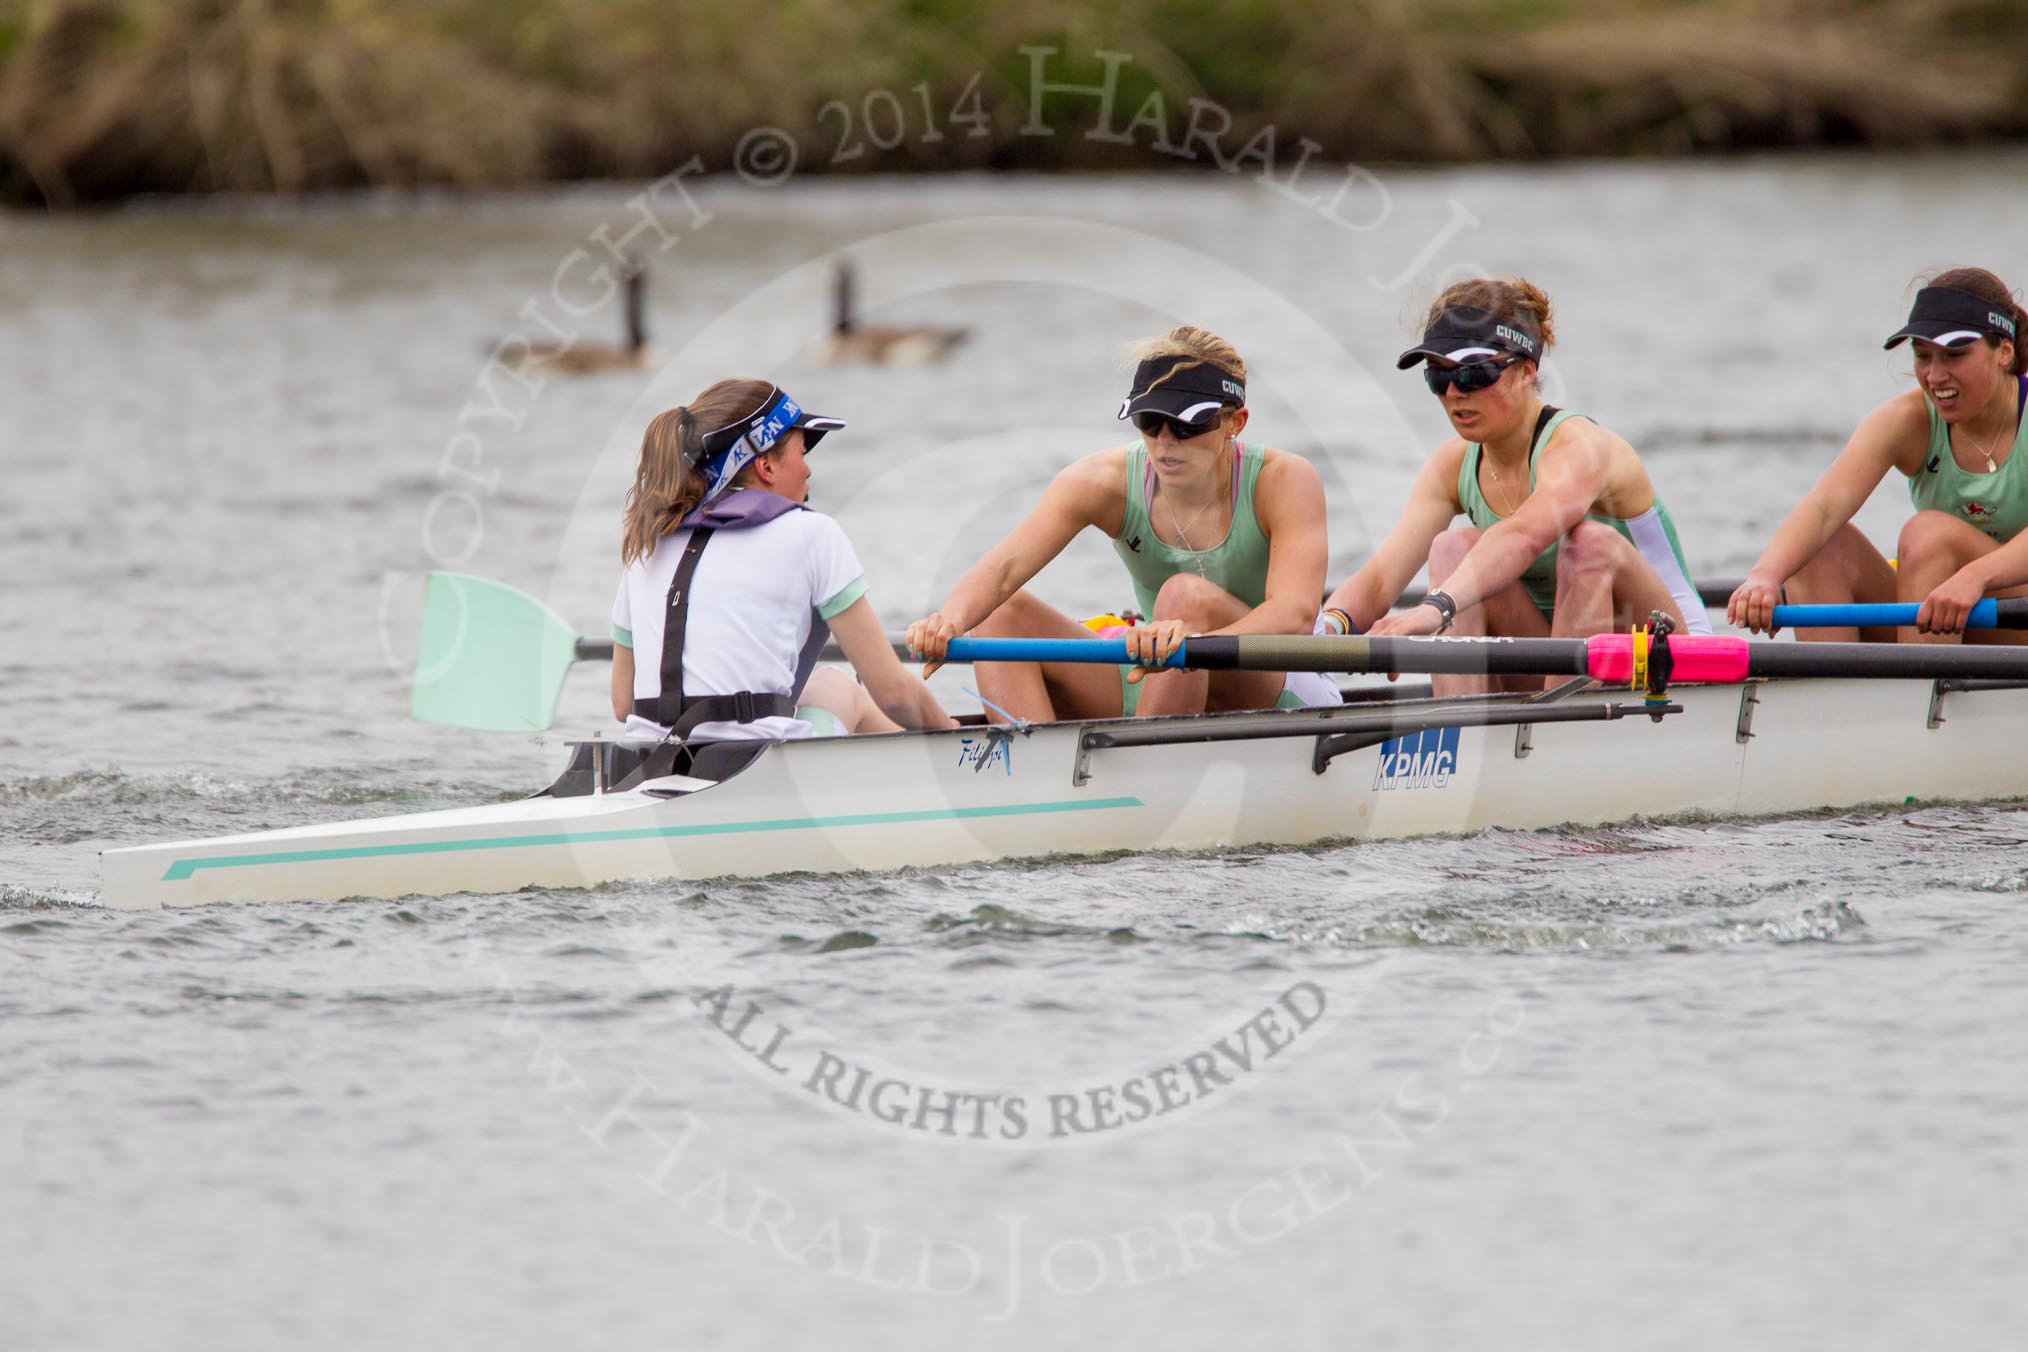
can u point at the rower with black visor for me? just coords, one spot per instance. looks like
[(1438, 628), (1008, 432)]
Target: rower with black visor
[(1566, 535), (1960, 438), (1219, 535)]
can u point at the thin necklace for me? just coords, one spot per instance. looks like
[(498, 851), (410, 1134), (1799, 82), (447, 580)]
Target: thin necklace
[(1183, 532), (1987, 449), (1493, 470)]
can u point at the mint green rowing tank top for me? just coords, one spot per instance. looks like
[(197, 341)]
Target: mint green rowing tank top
[(1997, 503), (1653, 532), (1238, 563)]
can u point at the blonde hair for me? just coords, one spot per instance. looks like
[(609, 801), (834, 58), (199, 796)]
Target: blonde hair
[(1507, 298), (668, 483), (1187, 340), (1994, 292)]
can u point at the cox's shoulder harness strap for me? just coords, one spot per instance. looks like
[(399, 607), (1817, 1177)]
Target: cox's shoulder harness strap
[(672, 708)]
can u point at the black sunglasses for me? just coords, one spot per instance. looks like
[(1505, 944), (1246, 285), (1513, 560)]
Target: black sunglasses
[(1151, 425), (1467, 376)]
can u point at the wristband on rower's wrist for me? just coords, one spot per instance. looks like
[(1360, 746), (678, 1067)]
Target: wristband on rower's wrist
[(1337, 621), (1443, 605)]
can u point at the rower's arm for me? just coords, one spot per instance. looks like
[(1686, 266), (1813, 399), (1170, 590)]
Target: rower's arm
[(1288, 501), (1080, 496), (1371, 592), (898, 691), (1570, 475), (623, 681), (1883, 441)]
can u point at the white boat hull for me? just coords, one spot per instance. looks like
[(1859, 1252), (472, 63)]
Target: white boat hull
[(872, 803)]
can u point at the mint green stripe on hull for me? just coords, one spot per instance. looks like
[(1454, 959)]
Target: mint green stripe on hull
[(183, 869)]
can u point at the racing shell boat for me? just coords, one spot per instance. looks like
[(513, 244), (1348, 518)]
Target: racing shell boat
[(1392, 764)]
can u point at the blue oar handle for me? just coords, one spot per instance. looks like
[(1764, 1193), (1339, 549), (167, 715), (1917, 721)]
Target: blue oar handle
[(1045, 650), (1987, 614)]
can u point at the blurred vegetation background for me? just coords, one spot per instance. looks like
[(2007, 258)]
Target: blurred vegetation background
[(101, 99)]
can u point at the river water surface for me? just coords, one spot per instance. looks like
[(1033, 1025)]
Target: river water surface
[(1680, 1084)]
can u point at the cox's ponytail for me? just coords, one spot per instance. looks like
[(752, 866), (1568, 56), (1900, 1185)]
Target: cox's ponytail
[(668, 481)]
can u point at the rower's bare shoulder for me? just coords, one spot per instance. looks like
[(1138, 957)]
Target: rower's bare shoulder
[(1093, 488), (1101, 472), (1904, 415), (1279, 467), (1584, 435), (1447, 461), (1898, 430)]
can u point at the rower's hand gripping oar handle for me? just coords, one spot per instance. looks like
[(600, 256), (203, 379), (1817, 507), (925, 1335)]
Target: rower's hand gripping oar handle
[(2010, 613)]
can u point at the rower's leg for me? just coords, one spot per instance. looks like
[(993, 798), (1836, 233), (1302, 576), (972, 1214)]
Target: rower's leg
[(1043, 692), (1848, 570), (833, 690), (1202, 606), (1509, 612), (1933, 546), (1603, 584)]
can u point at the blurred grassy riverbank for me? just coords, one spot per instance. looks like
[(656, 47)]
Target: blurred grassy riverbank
[(102, 99)]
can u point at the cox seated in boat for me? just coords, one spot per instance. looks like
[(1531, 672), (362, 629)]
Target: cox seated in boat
[(730, 581), (1567, 535), (1219, 536), (1960, 440)]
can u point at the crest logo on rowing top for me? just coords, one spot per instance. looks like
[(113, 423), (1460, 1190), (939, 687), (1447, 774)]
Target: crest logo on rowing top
[(1978, 509)]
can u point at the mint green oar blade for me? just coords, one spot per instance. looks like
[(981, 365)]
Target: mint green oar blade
[(490, 656)]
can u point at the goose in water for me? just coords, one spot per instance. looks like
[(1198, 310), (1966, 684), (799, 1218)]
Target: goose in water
[(880, 344), (580, 356)]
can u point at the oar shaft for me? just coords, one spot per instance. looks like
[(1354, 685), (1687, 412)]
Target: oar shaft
[(1293, 652), (1714, 594), (601, 650), (1353, 653), (1987, 614), (1605, 657), (1889, 661)]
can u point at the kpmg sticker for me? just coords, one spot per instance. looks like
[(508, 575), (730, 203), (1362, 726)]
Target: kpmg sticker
[(1419, 760)]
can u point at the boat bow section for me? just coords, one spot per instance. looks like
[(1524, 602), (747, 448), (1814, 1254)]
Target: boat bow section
[(825, 806)]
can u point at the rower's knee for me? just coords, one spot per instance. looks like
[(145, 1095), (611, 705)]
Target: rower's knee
[(1448, 550), (836, 693), (1191, 599), (1013, 618), (1929, 537), (1590, 549)]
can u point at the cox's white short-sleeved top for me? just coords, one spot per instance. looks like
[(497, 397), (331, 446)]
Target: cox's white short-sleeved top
[(759, 596)]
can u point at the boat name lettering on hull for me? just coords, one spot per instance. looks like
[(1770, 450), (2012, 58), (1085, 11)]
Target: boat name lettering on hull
[(983, 753), (1418, 760)]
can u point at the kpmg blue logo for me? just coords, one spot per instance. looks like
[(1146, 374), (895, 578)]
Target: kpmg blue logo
[(1418, 760)]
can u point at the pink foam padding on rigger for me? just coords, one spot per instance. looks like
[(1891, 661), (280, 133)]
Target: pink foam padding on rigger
[(1717, 658)]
